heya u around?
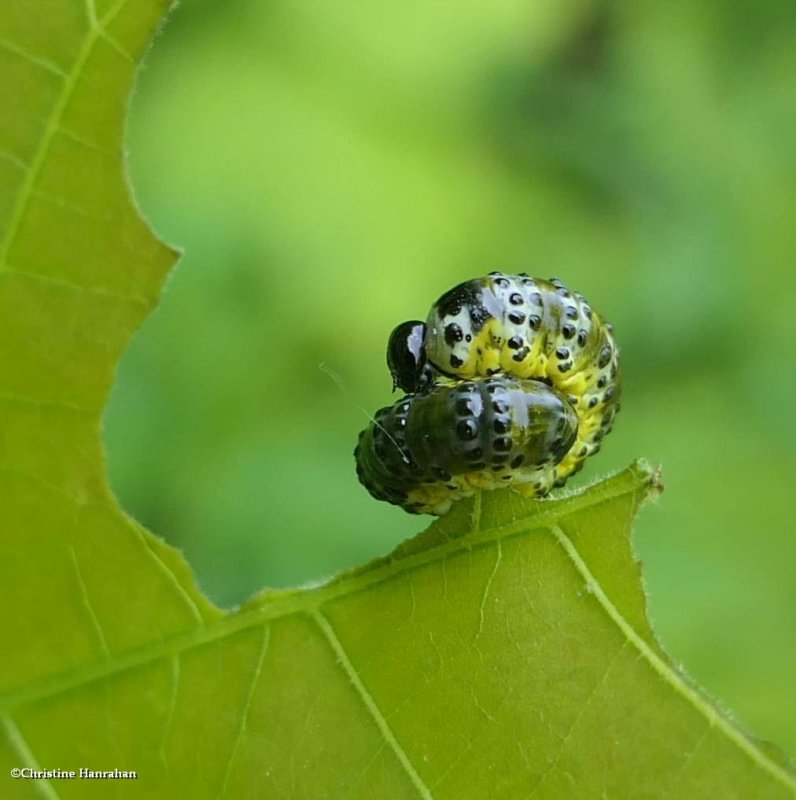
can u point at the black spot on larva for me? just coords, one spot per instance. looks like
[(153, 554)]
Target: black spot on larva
[(442, 474), (515, 343), (468, 338), (571, 312), (466, 295), (547, 381), (582, 336), (507, 477), (516, 317), (495, 272), (584, 451), (526, 281), (605, 356), (534, 321), (464, 407), (613, 370), (466, 429), (518, 461), (520, 355), (568, 330), (556, 282), (587, 312), (565, 367), (609, 393), (501, 425), (500, 406), (401, 422), (516, 299), (593, 401), (535, 298), (492, 371), (502, 282), (502, 444), (602, 381), (467, 387), (609, 327), (562, 353), (453, 333), (573, 399), (563, 292), (456, 362), (474, 454)]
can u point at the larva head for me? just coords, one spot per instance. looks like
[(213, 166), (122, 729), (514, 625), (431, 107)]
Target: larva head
[(406, 357)]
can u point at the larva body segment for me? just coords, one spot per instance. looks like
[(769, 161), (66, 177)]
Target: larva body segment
[(431, 448)]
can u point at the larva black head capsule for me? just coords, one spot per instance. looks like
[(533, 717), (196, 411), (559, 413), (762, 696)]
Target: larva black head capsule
[(406, 357)]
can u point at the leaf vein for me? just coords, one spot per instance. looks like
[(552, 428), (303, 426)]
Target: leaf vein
[(44, 405), (115, 45), (584, 705), (74, 287), (488, 586), (244, 714), (169, 719), (168, 574), (25, 754), (91, 13), (53, 487), (50, 129), (666, 673), (370, 704), (475, 518), (44, 63), (86, 600), (687, 760), (68, 133), (12, 159), (72, 208)]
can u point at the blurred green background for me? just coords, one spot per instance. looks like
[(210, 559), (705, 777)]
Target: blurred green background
[(331, 168)]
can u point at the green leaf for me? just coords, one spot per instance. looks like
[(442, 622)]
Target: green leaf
[(505, 652)]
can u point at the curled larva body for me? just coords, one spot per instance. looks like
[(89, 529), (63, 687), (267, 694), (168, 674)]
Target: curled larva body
[(431, 448), (526, 327)]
